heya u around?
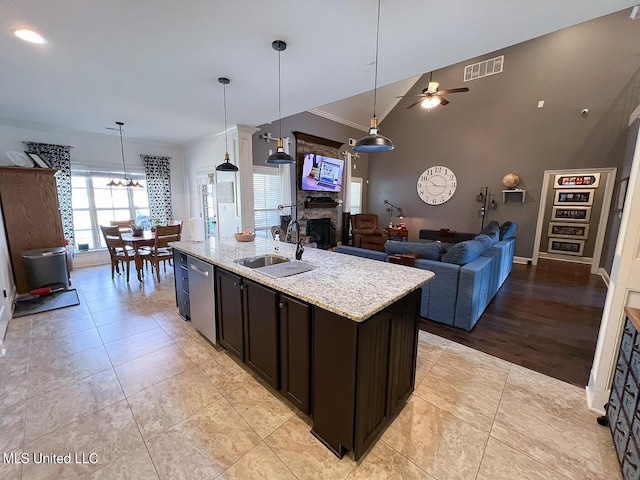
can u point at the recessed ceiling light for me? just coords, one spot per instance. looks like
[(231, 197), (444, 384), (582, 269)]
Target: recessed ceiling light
[(30, 36)]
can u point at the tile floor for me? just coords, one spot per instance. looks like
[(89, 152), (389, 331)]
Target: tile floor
[(135, 392)]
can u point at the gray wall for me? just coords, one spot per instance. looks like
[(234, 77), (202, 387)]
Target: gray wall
[(497, 128)]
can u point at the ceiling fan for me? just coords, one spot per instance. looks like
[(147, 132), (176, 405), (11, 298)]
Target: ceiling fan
[(431, 97)]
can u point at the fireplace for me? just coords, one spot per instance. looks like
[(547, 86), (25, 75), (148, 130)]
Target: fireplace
[(322, 231)]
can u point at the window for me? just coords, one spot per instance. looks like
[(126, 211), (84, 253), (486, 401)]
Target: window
[(266, 198), (95, 204)]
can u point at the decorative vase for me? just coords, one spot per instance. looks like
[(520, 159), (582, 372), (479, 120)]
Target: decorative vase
[(138, 231)]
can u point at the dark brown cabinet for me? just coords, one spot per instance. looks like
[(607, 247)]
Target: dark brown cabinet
[(181, 278), (622, 409), (268, 331), (363, 372), (351, 376), (295, 351)]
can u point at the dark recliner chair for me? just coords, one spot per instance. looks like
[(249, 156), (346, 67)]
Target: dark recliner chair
[(367, 234)]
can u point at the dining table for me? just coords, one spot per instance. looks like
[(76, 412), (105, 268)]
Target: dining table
[(147, 239)]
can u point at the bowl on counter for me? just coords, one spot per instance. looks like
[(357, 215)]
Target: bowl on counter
[(245, 237)]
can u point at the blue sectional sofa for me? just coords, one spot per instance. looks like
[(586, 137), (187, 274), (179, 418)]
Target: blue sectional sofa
[(467, 275)]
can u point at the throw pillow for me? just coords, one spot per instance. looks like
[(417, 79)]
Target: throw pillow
[(428, 250), (508, 230), (464, 252), (493, 231)]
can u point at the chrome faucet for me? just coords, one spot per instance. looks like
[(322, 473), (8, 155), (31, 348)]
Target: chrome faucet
[(299, 247)]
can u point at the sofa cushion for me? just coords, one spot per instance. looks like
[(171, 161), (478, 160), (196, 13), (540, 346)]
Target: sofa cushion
[(464, 252), (508, 229), (493, 231), (428, 250), (486, 240)]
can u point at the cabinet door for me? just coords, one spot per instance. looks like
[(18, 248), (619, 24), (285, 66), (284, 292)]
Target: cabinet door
[(229, 307), (295, 351), (261, 331), (403, 350)]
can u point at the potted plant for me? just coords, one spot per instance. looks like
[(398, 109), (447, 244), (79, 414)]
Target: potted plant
[(154, 222), (137, 230)]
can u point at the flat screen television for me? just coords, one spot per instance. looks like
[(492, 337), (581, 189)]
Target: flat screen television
[(322, 174)]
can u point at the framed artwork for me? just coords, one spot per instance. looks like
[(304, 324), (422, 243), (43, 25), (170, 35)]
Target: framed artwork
[(566, 247), (38, 160), (621, 193), (574, 197), (590, 180), (571, 214), (568, 230)]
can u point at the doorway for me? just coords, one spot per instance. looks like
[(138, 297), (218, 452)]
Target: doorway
[(573, 215)]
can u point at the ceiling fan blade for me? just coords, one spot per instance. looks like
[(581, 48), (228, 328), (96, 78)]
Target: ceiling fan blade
[(414, 104), (418, 95), (444, 101), (453, 90)]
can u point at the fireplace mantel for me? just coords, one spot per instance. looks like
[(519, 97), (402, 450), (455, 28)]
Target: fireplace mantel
[(321, 204)]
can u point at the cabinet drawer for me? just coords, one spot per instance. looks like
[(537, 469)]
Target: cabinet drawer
[(621, 436), (613, 409), (634, 365), (630, 466), (635, 426), (620, 375), (628, 338), (183, 260), (630, 397)]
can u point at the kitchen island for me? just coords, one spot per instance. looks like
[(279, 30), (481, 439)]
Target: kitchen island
[(338, 341)]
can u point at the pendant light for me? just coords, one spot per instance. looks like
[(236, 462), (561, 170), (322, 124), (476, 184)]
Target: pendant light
[(225, 166), (127, 181), (280, 156), (374, 142)]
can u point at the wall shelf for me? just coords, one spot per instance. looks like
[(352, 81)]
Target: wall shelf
[(512, 193)]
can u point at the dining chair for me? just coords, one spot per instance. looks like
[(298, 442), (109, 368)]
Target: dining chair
[(118, 251), (162, 252), (123, 225)]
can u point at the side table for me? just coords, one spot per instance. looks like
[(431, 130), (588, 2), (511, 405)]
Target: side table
[(400, 234)]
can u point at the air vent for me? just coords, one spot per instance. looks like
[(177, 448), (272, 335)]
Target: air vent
[(483, 69)]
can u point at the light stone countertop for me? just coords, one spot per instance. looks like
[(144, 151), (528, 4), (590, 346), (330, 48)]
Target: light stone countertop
[(347, 285)]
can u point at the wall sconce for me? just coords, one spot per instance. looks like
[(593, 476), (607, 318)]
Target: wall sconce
[(390, 210)]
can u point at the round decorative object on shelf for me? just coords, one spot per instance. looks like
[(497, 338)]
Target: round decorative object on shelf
[(511, 180)]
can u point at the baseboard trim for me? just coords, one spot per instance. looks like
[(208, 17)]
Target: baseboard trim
[(605, 276), (596, 399), (91, 258), (521, 260), (565, 258)]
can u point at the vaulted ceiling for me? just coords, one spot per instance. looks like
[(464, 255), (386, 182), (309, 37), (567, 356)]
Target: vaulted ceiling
[(154, 64)]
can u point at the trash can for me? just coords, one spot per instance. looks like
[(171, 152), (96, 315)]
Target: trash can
[(46, 267)]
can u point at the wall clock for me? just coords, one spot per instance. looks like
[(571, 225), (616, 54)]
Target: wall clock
[(436, 185)]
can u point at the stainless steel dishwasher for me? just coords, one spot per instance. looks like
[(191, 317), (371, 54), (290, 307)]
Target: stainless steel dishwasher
[(202, 297)]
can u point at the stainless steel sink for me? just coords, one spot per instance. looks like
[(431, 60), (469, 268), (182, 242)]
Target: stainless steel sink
[(262, 261)]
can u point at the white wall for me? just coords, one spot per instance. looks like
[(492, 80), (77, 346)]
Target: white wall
[(7, 286)]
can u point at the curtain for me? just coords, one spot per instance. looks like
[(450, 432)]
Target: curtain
[(59, 157), (158, 172)]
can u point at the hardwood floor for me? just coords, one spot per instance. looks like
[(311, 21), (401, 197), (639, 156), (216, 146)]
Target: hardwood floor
[(545, 318)]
